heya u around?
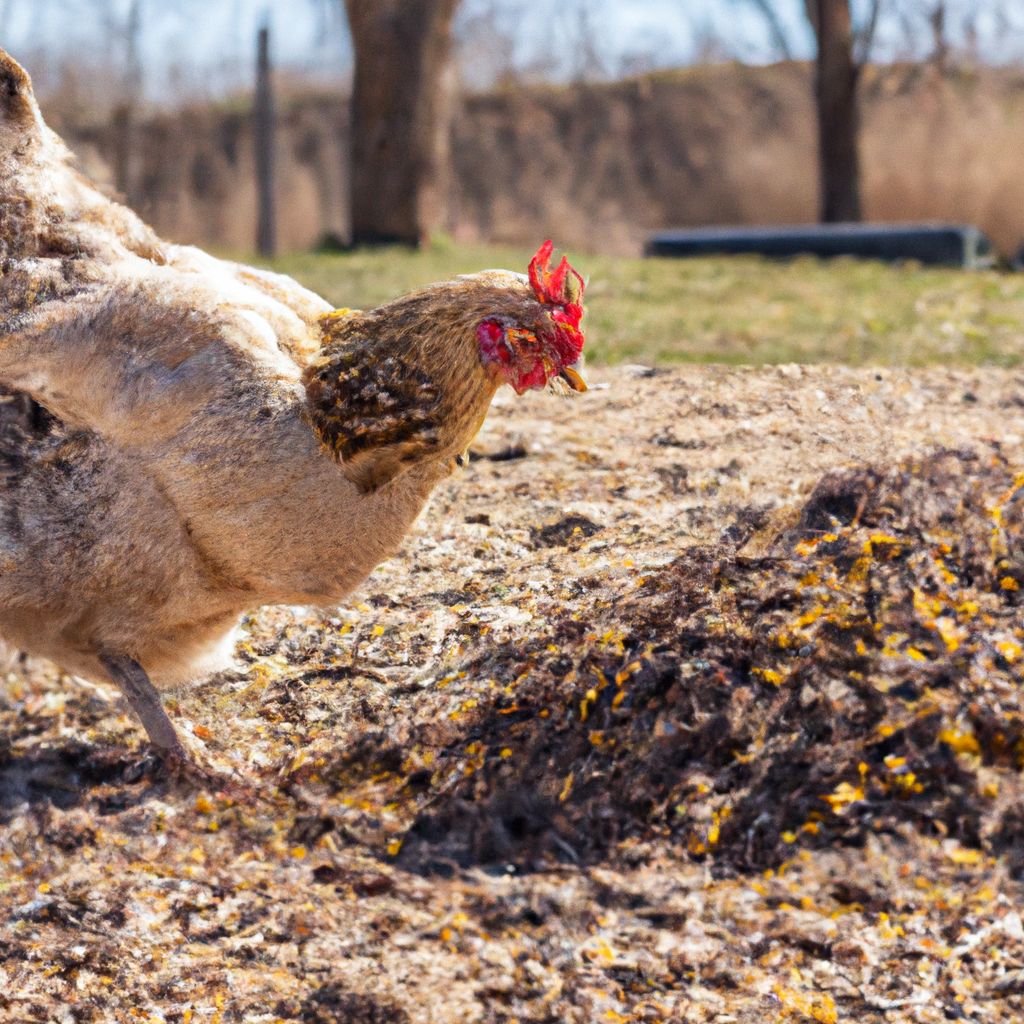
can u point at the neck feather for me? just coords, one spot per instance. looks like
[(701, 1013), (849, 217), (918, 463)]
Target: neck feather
[(382, 399)]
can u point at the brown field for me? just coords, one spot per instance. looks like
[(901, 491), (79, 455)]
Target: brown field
[(599, 166), (672, 709)]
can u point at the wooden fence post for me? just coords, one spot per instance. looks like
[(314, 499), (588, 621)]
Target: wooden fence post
[(263, 135)]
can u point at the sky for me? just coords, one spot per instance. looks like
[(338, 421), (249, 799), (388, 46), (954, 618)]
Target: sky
[(199, 48)]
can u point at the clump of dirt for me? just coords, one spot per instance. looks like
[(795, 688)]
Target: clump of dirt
[(333, 1004), (565, 531), (735, 705)]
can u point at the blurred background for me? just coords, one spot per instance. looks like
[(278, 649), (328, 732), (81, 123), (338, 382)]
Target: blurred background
[(596, 120), (485, 126)]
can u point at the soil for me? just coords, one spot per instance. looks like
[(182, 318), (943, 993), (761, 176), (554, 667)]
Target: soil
[(696, 699)]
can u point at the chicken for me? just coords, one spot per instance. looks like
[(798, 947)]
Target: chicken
[(184, 439)]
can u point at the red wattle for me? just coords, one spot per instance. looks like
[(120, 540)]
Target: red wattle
[(490, 336), (535, 377)]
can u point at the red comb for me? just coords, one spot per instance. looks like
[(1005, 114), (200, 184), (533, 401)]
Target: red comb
[(563, 289), (559, 287)]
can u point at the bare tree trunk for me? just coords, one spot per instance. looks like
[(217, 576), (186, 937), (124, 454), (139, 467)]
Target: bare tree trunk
[(401, 118), (263, 136), (836, 75)]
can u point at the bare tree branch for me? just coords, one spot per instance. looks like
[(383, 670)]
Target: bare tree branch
[(780, 42), (263, 132), (940, 42), (811, 10), (864, 37)]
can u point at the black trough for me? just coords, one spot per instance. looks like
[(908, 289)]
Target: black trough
[(949, 245)]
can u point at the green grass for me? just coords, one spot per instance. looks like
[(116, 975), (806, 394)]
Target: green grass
[(731, 310)]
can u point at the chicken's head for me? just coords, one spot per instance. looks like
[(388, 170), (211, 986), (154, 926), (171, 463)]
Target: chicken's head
[(411, 381), (544, 342)]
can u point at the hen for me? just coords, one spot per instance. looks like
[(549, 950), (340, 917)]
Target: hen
[(183, 439)]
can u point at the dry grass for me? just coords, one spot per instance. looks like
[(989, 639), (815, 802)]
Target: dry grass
[(601, 166)]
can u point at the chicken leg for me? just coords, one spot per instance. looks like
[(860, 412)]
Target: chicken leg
[(131, 679)]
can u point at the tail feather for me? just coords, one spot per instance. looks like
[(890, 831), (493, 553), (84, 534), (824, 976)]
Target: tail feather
[(19, 113), (50, 216), (22, 149)]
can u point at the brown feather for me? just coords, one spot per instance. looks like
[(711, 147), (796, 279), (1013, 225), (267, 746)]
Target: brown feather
[(404, 382)]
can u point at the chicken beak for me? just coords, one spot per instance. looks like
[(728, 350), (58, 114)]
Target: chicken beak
[(571, 375)]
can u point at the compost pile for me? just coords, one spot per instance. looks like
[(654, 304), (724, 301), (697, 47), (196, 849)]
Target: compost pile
[(661, 716), (735, 706)]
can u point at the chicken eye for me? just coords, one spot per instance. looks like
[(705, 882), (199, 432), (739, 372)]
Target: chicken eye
[(520, 337)]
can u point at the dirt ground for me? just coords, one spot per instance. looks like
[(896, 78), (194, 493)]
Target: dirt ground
[(696, 699)]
